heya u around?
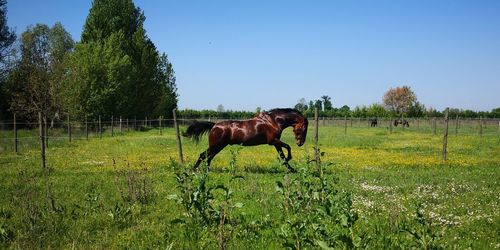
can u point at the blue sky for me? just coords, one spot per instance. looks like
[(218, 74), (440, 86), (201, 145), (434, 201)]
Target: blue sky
[(249, 54)]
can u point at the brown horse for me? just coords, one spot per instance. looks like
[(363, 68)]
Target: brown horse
[(401, 121), (265, 128)]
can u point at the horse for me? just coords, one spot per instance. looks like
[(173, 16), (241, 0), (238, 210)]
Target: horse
[(401, 121), (264, 128), (373, 122)]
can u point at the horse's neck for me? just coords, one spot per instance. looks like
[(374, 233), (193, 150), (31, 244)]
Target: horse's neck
[(285, 121)]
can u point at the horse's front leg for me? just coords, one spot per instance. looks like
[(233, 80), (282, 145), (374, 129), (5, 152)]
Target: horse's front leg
[(279, 145)]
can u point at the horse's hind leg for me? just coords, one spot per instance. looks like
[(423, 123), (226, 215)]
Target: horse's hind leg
[(213, 151), (208, 154), (202, 157)]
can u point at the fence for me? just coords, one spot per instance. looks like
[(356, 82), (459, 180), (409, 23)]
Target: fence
[(426, 125), (20, 135)]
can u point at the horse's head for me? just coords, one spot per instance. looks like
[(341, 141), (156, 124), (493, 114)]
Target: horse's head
[(300, 130)]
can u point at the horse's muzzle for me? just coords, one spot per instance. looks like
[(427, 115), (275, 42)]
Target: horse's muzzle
[(300, 143)]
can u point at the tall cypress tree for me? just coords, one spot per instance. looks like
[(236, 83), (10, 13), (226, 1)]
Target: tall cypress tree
[(116, 69)]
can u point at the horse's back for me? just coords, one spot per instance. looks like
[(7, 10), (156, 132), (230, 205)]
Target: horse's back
[(249, 132)]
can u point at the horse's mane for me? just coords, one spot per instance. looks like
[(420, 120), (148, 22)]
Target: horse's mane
[(283, 110)]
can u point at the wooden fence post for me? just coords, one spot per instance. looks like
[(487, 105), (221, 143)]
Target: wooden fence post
[(100, 128), (46, 133), (179, 144), (316, 144), (69, 129), (45, 170), (481, 126), (390, 125), (345, 125), (42, 141), (159, 121), (86, 128), (128, 128), (445, 137), (15, 133), (434, 124), (112, 130), (456, 125), (121, 129)]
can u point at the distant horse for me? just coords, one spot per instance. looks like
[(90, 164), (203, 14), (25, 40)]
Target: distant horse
[(373, 122), (401, 121), (265, 128)]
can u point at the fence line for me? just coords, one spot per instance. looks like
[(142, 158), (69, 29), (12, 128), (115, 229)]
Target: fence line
[(150, 123), (16, 133)]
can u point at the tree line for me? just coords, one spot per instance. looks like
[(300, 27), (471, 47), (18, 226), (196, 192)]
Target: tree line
[(397, 102), (115, 69)]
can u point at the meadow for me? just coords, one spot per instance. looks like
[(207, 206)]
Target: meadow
[(374, 189)]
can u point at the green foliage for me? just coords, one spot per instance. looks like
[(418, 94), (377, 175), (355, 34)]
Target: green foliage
[(301, 105), (416, 110), (316, 213), (98, 79), (423, 234), (205, 212), (116, 69), (35, 83), (7, 38), (327, 103)]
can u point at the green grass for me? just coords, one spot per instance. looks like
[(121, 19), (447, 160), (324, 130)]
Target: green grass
[(117, 192)]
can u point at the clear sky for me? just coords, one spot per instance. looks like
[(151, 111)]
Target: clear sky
[(249, 54)]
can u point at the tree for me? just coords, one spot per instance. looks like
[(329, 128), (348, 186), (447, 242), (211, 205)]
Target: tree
[(376, 110), (220, 109), (311, 105), (327, 103), (318, 104), (416, 110), (258, 110), (34, 84), (495, 113), (98, 79), (7, 38), (359, 111), (116, 69), (399, 100), (301, 105), (345, 111)]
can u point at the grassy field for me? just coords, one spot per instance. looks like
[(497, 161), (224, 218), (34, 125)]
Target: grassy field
[(377, 190)]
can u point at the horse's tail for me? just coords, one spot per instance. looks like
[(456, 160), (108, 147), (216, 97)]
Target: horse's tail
[(197, 129)]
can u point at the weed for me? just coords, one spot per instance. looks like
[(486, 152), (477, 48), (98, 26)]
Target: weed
[(204, 210), (138, 185)]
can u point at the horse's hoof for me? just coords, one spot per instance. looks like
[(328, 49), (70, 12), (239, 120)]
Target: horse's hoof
[(292, 170)]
